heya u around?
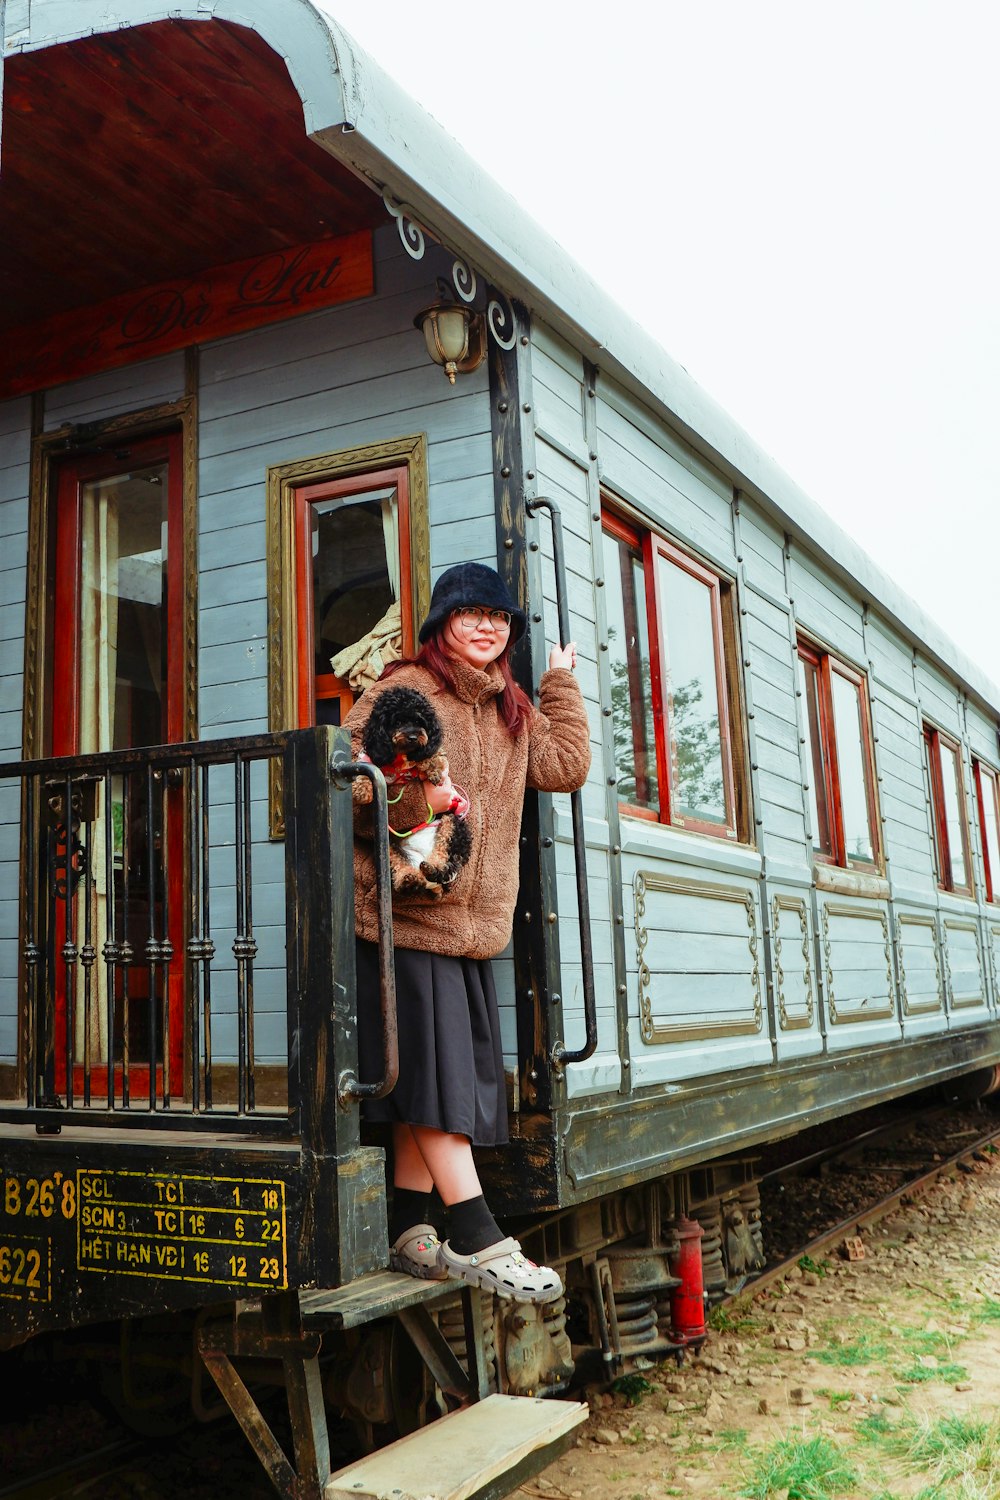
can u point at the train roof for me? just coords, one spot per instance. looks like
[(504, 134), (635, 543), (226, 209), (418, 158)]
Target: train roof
[(362, 117)]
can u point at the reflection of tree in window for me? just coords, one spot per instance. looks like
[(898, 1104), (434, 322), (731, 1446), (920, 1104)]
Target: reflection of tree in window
[(689, 651), (695, 746)]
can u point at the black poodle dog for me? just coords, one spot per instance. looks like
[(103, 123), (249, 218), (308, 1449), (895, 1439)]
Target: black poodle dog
[(403, 738)]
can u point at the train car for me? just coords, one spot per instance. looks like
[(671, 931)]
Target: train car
[(275, 354)]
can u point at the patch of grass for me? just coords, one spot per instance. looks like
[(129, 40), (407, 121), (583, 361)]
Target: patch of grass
[(957, 1457), (818, 1267), (632, 1387), (984, 1312), (864, 1350), (874, 1427), (732, 1437), (736, 1318), (945, 1370), (802, 1469)]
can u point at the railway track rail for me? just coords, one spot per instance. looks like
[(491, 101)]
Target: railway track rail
[(852, 1225)]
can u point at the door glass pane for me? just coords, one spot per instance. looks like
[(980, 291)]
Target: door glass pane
[(123, 609), (809, 687), (690, 650), (357, 627), (850, 731), (988, 783), (123, 701), (631, 699), (954, 816)]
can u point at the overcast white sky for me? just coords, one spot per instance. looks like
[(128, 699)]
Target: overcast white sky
[(800, 202)]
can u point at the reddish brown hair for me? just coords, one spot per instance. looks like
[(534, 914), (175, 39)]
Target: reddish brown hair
[(513, 703)]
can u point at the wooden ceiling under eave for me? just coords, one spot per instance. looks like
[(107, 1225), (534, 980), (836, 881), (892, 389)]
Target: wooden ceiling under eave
[(133, 157)]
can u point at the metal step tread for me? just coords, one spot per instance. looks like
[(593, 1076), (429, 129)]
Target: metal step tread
[(463, 1453), (375, 1295)]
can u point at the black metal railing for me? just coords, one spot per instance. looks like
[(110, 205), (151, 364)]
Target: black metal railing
[(154, 921)]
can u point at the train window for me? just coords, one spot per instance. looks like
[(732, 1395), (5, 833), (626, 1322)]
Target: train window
[(988, 800), (841, 780), (948, 808), (669, 625), (348, 578)]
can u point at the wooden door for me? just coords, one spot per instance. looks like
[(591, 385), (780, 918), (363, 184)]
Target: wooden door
[(117, 665)]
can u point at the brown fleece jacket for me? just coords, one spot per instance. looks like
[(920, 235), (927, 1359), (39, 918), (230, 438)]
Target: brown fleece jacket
[(473, 919)]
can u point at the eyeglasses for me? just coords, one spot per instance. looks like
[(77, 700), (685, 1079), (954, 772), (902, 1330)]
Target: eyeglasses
[(473, 616)]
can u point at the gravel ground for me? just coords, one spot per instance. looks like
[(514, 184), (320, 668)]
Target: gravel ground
[(834, 1359)]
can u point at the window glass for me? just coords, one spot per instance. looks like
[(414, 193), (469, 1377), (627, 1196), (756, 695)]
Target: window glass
[(355, 582), (631, 699), (954, 815), (698, 780), (809, 686), (850, 731), (988, 787), (123, 609)]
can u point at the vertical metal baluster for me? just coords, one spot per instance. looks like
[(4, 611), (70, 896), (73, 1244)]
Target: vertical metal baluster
[(32, 953), (88, 952), (206, 933), (110, 945), (251, 942), (166, 946), (126, 946), (47, 1032), (239, 941), (194, 945), (69, 951), (152, 944)]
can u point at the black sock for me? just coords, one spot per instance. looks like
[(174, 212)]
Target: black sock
[(408, 1208), (471, 1226)]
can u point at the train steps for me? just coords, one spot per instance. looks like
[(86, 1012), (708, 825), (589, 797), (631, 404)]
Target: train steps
[(481, 1452)]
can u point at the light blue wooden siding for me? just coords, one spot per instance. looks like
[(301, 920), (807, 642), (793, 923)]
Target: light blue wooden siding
[(824, 610), (112, 393), (763, 552), (903, 803), (670, 485), (15, 452), (336, 379), (767, 645)]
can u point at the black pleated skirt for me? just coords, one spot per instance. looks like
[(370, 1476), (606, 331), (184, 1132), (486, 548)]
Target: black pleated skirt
[(450, 1057)]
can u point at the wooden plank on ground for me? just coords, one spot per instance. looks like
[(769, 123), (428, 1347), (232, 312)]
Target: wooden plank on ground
[(458, 1456)]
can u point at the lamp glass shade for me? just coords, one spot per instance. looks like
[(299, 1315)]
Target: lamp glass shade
[(446, 333)]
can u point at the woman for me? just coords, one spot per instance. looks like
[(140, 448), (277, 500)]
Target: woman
[(450, 1094)]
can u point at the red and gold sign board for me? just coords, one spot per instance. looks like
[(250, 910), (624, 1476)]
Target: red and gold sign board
[(229, 299)]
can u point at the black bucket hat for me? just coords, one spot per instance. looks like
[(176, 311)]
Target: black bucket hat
[(471, 583)]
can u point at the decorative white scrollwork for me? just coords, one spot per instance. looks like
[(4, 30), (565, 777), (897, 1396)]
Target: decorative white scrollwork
[(411, 231), (464, 280), (413, 235), (500, 318)]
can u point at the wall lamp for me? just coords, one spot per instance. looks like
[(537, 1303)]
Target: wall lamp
[(455, 335)]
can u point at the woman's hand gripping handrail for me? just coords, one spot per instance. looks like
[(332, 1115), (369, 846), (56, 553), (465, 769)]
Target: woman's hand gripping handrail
[(561, 1055), (350, 1087)]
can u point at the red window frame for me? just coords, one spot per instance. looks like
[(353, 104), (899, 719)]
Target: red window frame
[(934, 739), (311, 685), (829, 840), (982, 773), (650, 546)]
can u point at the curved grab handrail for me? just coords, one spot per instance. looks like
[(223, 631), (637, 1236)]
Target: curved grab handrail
[(561, 1055), (349, 1086)]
